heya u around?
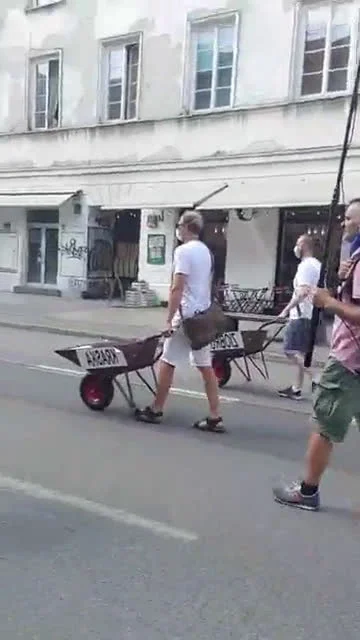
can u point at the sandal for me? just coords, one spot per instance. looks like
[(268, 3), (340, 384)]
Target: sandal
[(214, 425), (148, 415)]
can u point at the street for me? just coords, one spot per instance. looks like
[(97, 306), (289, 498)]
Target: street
[(114, 529)]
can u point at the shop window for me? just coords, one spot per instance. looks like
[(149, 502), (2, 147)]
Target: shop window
[(294, 223)]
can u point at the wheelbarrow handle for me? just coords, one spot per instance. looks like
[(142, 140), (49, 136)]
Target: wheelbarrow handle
[(269, 323)]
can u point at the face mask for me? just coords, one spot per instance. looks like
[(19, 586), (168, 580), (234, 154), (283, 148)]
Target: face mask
[(178, 235), (297, 252)]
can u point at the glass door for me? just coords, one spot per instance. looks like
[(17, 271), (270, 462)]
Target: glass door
[(34, 255), (43, 254), (51, 255)]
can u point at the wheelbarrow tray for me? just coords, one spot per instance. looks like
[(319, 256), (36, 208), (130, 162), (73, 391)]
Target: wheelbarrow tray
[(109, 363)]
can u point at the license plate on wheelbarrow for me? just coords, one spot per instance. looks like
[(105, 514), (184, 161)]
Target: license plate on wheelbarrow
[(228, 341)]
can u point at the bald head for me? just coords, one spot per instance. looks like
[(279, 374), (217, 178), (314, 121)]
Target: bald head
[(352, 220), (304, 247), (306, 243)]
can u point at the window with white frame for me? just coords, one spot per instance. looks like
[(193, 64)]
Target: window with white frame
[(45, 93), (213, 62), (121, 80), (329, 37)]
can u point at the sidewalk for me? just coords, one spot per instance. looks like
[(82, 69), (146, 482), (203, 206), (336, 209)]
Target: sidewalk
[(99, 319)]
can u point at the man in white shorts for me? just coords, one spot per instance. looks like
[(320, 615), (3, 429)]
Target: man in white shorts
[(190, 293)]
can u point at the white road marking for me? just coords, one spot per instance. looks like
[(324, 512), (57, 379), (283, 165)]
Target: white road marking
[(199, 395), (111, 513)]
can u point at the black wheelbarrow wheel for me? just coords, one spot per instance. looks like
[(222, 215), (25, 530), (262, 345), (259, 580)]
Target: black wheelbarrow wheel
[(222, 370), (96, 392)]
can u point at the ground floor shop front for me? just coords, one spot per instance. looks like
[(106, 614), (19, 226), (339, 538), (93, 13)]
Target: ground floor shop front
[(101, 234)]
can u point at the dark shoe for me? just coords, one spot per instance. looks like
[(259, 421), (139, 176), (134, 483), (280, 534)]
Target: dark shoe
[(314, 386), (149, 415), (215, 425), (290, 393), (292, 497)]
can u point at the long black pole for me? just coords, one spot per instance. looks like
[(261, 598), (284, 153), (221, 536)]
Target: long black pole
[(333, 211)]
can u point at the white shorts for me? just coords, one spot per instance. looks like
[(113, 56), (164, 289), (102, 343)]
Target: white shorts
[(177, 350)]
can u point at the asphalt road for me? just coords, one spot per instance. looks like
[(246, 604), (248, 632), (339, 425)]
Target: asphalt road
[(113, 529)]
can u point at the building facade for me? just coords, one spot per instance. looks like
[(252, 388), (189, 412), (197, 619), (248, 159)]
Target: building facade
[(113, 122)]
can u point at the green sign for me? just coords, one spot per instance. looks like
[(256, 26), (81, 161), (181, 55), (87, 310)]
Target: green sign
[(156, 249)]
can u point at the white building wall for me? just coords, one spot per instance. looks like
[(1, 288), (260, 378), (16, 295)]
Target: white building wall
[(251, 250), (272, 149), (73, 248), (12, 246), (159, 276)]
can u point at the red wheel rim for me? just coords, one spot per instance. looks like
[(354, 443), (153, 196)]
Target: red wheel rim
[(219, 370), (93, 392)]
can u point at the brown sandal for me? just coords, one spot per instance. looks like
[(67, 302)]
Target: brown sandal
[(214, 425)]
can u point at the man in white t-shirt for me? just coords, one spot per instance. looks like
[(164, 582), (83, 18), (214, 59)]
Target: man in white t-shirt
[(190, 293), (299, 310)]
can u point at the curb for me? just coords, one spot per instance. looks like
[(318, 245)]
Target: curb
[(79, 333), (40, 328)]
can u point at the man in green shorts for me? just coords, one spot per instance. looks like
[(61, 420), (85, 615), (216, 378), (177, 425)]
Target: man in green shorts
[(337, 398)]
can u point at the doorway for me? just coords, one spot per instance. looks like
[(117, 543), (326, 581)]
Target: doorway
[(311, 221), (43, 248)]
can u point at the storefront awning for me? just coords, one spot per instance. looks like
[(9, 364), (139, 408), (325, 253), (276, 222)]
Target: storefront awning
[(152, 195), (260, 191), (34, 200), (275, 191)]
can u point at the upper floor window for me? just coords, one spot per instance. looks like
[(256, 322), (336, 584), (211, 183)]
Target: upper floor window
[(213, 62), (329, 36), (45, 93), (121, 79)]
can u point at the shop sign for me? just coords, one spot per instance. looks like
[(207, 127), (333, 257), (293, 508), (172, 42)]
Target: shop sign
[(156, 247)]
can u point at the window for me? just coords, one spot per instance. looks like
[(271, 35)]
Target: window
[(45, 93), (329, 38), (213, 60), (121, 80)]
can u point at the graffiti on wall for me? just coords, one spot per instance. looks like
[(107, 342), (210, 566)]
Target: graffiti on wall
[(71, 249)]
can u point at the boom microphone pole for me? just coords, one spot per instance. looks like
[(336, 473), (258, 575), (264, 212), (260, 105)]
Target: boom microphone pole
[(200, 202), (333, 210)]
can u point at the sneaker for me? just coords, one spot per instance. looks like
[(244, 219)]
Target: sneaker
[(290, 393), (148, 415), (291, 496), (215, 425)]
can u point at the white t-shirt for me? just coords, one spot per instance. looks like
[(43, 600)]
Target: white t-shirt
[(307, 274), (193, 259)]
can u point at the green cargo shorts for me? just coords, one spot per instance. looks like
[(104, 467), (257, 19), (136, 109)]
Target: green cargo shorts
[(336, 401)]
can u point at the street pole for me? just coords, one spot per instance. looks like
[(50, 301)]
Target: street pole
[(350, 124)]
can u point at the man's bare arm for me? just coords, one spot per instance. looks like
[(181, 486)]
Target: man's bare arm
[(344, 310), (301, 294), (176, 292)]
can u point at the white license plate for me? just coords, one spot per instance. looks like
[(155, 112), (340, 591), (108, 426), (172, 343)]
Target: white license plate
[(102, 358), (228, 341)]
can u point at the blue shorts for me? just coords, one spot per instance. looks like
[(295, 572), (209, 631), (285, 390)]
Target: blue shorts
[(297, 335)]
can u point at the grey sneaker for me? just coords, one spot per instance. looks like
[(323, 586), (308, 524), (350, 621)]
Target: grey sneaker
[(291, 496), (290, 393)]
